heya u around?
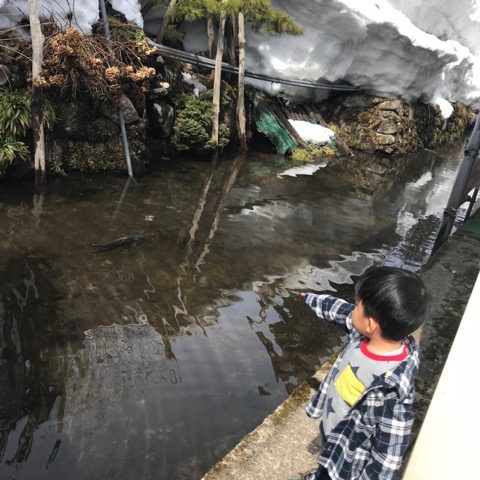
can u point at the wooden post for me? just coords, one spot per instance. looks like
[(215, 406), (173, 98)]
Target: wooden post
[(37, 110), (241, 121), (166, 19), (218, 80), (210, 36)]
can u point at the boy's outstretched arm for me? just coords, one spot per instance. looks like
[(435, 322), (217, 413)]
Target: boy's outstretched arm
[(389, 444), (330, 308)]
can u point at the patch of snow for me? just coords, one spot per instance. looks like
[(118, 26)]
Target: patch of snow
[(311, 132), (131, 10), (445, 106), (9, 15), (302, 170), (83, 14)]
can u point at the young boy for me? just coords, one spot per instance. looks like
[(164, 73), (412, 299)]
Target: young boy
[(366, 399)]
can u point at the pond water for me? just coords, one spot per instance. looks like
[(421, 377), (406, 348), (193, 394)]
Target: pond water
[(153, 361)]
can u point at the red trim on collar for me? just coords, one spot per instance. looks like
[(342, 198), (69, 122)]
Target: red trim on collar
[(383, 358)]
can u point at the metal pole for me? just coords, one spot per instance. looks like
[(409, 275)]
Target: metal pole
[(121, 118), (472, 200), (456, 196)]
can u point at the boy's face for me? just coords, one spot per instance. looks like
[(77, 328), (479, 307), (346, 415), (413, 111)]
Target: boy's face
[(360, 320)]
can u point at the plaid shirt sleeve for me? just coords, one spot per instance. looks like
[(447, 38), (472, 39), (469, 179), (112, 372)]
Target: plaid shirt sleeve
[(331, 309), (389, 443)]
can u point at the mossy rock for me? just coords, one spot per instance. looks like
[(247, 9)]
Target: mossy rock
[(107, 156)]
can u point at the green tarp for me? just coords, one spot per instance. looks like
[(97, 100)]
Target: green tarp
[(268, 124)]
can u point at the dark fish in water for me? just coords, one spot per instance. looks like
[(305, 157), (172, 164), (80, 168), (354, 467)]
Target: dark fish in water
[(127, 241)]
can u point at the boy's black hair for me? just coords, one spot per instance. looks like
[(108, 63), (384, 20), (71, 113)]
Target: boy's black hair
[(395, 298)]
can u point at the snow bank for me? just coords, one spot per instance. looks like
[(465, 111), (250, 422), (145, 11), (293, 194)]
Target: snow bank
[(83, 14), (456, 20), (311, 132), (370, 44)]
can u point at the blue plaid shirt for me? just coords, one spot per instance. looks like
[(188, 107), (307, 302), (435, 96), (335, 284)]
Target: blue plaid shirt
[(369, 443)]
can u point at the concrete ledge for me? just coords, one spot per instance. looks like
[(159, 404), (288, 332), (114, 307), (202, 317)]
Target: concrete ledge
[(286, 444)]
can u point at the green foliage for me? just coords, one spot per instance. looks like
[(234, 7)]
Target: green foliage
[(15, 114), (193, 125), (259, 14), (49, 116), (15, 120), (172, 36), (10, 149)]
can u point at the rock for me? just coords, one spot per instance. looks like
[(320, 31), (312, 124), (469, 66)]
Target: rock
[(71, 119), (21, 167), (357, 101), (162, 118), (388, 127), (382, 139), (388, 114), (110, 110), (395, 105), (4, 75), (162, 89), (377, 168)]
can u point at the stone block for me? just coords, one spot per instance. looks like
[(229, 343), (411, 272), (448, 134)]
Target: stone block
[(388, 127), (382, 139)]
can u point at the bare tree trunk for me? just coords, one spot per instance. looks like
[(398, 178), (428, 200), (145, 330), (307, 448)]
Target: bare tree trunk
[(218, 80), (37, 113), (166, 19), (241, 121), (232, 40), (210, 35)]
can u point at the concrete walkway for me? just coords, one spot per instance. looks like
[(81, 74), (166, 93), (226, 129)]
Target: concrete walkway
[(286, 444)]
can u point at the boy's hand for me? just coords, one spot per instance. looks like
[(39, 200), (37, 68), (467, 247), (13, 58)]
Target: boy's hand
[(302, 294)]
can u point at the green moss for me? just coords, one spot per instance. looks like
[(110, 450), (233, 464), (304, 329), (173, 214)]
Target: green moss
[(193, 125), (312, 153)]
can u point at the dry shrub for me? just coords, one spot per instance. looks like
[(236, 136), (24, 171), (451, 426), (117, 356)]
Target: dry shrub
[(74, 62)]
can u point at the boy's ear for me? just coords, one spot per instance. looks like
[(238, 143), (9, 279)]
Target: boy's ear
[(372, 326)]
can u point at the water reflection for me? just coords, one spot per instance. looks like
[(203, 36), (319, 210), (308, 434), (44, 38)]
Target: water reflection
[(153, 361)]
